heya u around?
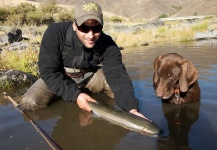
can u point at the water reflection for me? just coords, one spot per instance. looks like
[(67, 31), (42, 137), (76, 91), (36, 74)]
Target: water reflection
[(180, 119), (79, 129), (136, 141)]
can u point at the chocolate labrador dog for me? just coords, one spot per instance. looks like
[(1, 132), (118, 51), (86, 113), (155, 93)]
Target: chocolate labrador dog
[(175, 79)]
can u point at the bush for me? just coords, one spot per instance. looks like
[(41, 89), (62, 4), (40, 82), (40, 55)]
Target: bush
[(163, 16), (16, 19), (49, 7), (64, 16), (177, 7), (195, 14), (18, 15), (24, 8), (161, 30), (34, 18), (47, 19), (3, 14), (200, 27), (116, 19), (27, 14)]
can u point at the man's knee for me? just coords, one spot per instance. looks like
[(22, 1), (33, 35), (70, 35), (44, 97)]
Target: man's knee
[(108, 90), (37, 96), (98, 84)]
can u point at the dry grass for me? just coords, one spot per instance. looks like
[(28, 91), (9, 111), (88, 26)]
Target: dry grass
[(160, 34), (170, 32), (20, 60)]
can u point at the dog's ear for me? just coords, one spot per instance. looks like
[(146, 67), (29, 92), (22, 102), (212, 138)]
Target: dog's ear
[(189, 75), (155, 77), (155, 63)]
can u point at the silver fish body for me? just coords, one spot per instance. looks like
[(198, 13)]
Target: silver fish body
[(126, 120)]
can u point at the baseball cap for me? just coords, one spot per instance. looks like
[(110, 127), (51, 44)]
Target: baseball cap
[(86, 10)]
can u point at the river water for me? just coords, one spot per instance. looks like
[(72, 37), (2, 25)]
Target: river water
[(76, 129)]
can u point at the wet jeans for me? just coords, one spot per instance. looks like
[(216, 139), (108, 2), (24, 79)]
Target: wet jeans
[(38, 95)]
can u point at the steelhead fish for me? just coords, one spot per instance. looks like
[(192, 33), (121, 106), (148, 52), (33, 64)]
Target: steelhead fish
[(126, 120)]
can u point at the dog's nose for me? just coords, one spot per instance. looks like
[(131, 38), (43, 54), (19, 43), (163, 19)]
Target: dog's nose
[(159, 94)]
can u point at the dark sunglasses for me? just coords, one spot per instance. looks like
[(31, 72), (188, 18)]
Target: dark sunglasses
[(85, 29)]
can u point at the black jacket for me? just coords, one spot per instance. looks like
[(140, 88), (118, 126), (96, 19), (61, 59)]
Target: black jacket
[(51, 65)]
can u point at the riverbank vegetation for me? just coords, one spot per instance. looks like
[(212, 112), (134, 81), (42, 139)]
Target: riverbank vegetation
[(20, 60), (168, 32), (125, 32)]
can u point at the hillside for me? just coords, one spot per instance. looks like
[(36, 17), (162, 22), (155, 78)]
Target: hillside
[(145, 9), (149, 9)]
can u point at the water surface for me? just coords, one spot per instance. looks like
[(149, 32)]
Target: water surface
[(72, 128)]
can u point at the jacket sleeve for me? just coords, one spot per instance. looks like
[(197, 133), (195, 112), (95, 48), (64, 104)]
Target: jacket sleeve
[(118, 79), (51, 66)]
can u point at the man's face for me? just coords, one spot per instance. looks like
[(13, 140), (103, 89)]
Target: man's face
[(89, 32)]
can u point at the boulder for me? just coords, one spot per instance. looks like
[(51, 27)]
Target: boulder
[(14, 36), (211, 34), (16, 77)]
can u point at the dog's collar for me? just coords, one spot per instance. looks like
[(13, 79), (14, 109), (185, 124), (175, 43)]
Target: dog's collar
[(177, 108), (177, 93)]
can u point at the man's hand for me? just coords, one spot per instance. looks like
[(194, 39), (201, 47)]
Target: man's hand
[(82, 101), (135, 112)]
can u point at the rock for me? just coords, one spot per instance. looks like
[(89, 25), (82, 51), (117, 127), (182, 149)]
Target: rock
[(11, 37), (17, 35), (20, 46), (155, 23), (211, 34), (4, 39), (16, 77), (14, 36), (145, 44)]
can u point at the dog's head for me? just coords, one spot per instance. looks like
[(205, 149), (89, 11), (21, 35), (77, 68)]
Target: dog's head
[(171, 70)]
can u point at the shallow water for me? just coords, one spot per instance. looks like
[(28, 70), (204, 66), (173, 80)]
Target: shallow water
[(75, 129)]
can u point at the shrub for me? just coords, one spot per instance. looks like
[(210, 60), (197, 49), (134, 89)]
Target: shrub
[(34, 18), (65, 16), (3, 14), (163, 16), (195, 14), (47, 19), (15, 19), (161, 30), (49, 7), (38, 18), (116, 19), (200, 27), (24, 8), (18, 15), (177, 7)]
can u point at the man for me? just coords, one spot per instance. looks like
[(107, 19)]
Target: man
[(66, 72)]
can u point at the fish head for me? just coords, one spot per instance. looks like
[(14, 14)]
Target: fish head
[(152, 133)]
